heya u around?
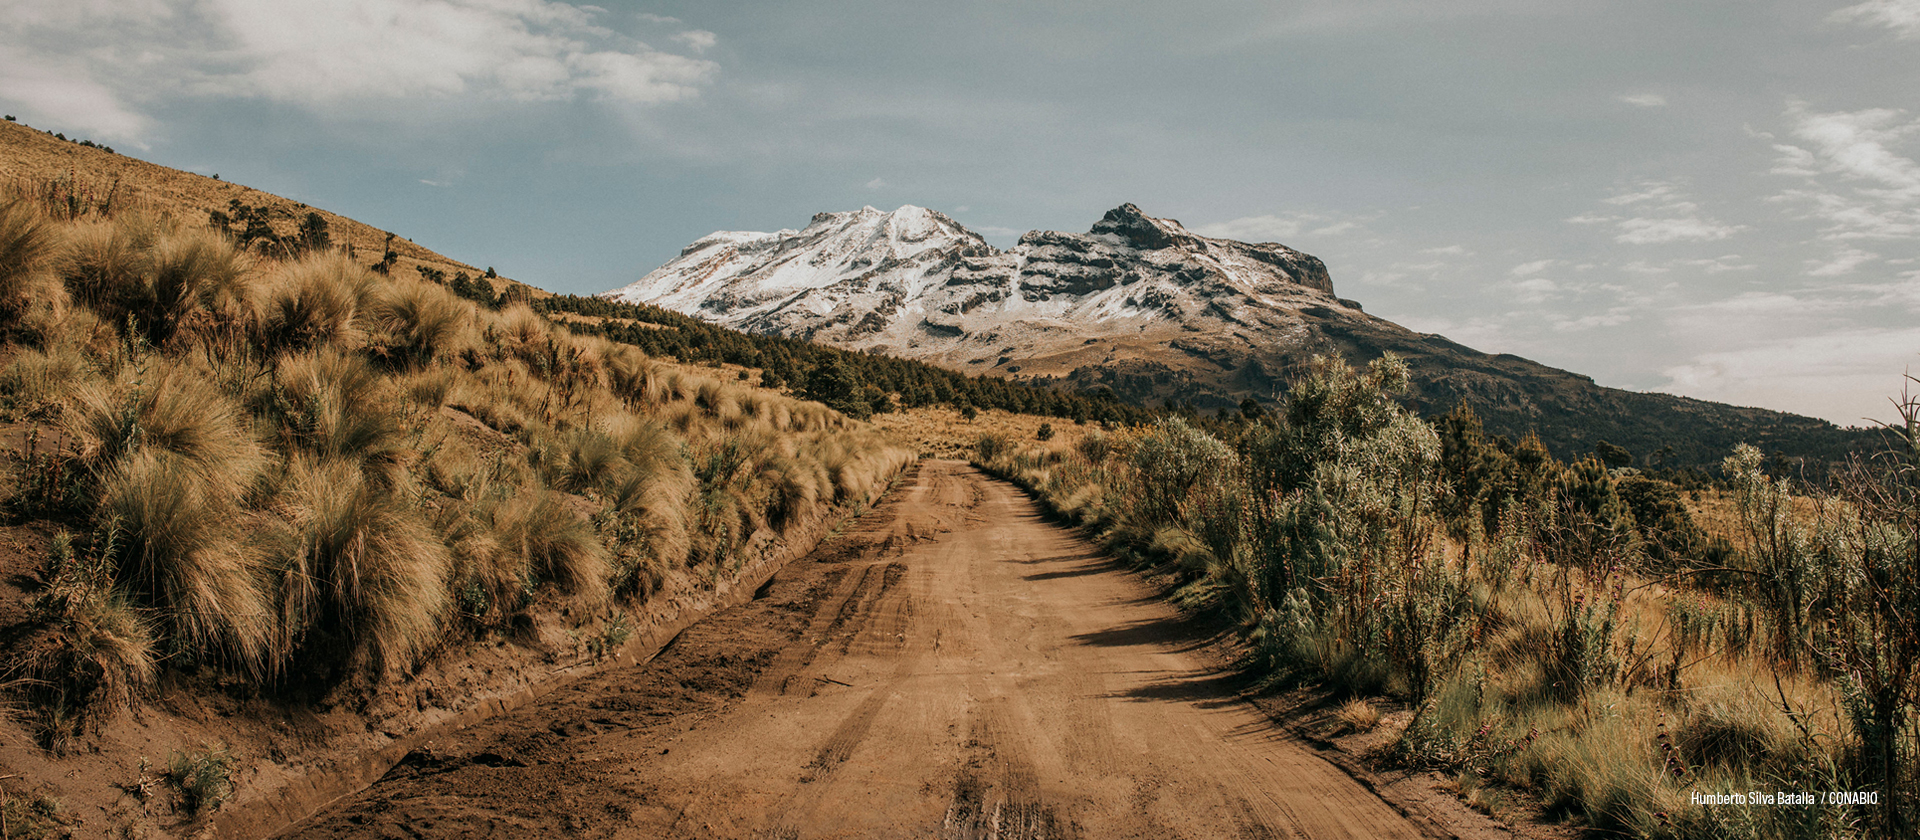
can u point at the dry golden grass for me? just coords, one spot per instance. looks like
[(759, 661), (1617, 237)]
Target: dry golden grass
[(1718, 513), (577, 318), (27, 243), (941, 432), (364, 564), (1358, 715), (306, 464), (34, 161)]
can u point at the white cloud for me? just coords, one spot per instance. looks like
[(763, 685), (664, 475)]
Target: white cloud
[(1404, 274), (1449, 251), (1534, 267), (698, 40), (1643, 231), (521, 49), (1843, 262), (1855, 145), (1753, 303), (1860, 180), (1645, 191), (1664, 213), (1588, 322), (1901, 16), (1280, 227), (123, 57), (58, 87), (1720, 264), (876, 183), (1794, 160), (1535, 290), (1842, 376), (1267, 228), (1336, 228), (1643, 100)]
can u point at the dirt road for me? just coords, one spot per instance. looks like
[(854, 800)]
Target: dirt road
[(955, 666)]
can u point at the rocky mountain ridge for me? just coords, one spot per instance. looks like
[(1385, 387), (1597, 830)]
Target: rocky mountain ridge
[(917, 283), (1155, 313)]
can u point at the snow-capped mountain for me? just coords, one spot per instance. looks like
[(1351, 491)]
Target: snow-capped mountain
[(839, 263), (914, 282), (1156, 313)]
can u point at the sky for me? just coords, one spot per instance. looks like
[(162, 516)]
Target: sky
[(1715, 199)]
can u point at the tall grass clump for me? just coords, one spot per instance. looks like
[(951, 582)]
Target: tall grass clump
[(555, 542), (312, 302), (35, 380), (365, 573), (417, 322), (171, 458), (28, 244), (336, 405), (153, 277)]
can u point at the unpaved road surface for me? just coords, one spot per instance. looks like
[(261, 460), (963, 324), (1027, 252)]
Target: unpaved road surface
[(954, 666)]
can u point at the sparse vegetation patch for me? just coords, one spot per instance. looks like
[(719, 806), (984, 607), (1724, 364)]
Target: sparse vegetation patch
[(1566, 632)]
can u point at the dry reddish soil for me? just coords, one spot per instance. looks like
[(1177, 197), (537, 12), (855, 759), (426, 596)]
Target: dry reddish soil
[(955, 666)]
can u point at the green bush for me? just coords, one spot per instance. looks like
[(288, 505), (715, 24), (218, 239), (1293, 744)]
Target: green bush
[(91, 651), (990, 447), (1173, 459), (203, 777)]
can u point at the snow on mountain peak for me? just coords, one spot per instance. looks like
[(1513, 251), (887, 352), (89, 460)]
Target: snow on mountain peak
[(916, 282)]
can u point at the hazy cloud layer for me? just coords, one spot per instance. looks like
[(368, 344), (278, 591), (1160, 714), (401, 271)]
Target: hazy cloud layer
[(1901, 16), (1655, 212), (118, 60)]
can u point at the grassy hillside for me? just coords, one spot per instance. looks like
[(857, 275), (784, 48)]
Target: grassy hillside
[(311, 478), (74, 181)]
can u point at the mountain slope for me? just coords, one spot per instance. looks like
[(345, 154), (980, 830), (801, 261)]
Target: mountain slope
[(94, 181), (1154, 312)]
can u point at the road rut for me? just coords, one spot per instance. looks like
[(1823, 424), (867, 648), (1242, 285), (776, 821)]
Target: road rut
[(954, 666)]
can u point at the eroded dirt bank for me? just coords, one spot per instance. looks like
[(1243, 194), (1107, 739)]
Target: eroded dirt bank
[(955, 666)]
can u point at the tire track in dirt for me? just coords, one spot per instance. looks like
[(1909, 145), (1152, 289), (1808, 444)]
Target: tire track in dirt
[(953, 666), (997, 793)]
